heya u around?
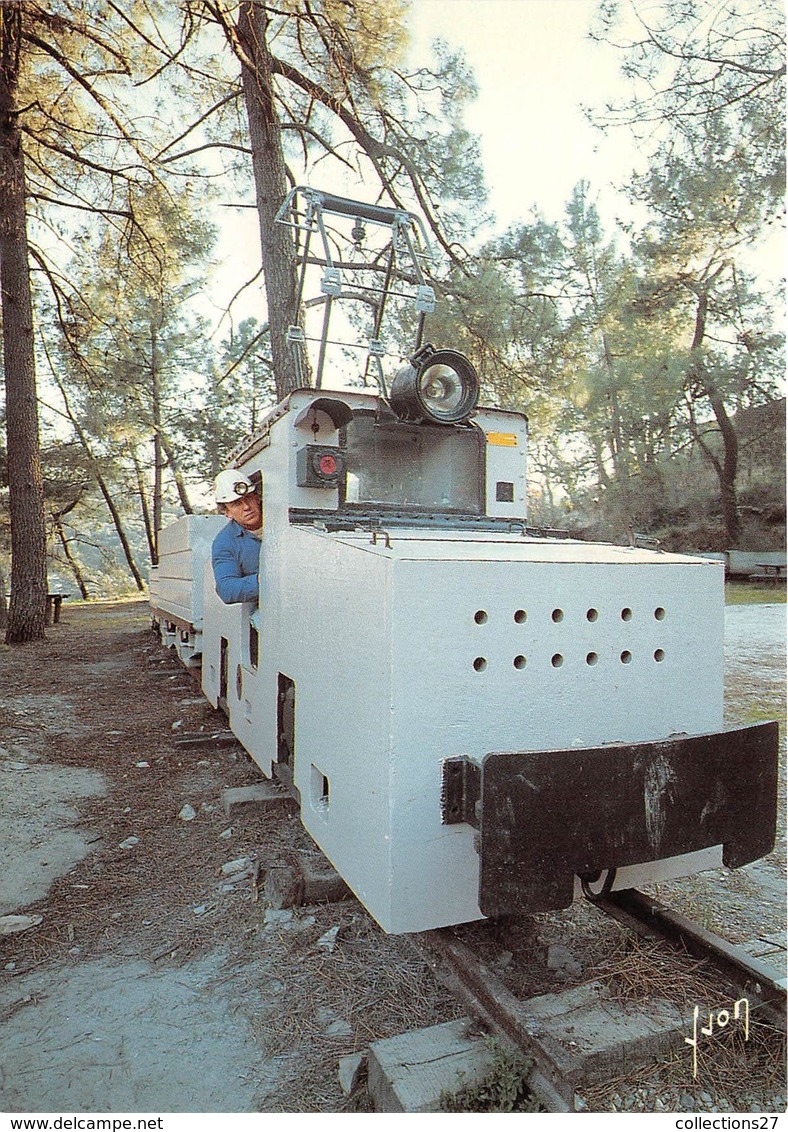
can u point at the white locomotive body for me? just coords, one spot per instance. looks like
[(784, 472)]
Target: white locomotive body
[(411, 627), (476, 718)]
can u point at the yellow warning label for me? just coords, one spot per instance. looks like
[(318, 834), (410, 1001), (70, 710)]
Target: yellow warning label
[(502, 439)]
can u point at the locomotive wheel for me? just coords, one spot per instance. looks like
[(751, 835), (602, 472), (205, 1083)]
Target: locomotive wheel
[(596, 886)]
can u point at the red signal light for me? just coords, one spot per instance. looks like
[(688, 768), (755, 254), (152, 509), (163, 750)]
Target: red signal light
[(318, 465)]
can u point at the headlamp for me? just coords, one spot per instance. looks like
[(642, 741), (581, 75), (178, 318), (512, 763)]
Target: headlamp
[(232, 484), (437, 385)]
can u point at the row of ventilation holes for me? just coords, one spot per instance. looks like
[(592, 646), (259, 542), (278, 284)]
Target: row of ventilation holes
[(520, 615)]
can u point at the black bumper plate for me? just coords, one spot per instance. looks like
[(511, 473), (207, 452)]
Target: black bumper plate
[(547, 816)]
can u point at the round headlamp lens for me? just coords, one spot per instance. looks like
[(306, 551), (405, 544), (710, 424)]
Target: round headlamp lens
[(442, 389), (447, 386), (241, 488), (437, 385)]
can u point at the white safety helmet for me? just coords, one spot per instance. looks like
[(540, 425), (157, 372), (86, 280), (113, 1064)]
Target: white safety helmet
[(230, 485)]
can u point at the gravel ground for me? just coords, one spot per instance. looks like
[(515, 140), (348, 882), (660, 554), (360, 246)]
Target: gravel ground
[(150, 977)]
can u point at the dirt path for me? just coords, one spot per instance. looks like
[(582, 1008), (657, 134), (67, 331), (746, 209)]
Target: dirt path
[(153, 981), (150, 979)]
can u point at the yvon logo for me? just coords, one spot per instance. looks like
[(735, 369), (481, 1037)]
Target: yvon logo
[(717, 1021)]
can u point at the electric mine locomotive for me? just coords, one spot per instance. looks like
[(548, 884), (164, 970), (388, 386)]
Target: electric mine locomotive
[(477, 718)]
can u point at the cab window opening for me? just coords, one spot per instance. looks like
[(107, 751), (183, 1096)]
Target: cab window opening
[(400, 465)]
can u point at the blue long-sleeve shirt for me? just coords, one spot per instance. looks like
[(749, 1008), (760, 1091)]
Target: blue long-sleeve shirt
[(235, 555)]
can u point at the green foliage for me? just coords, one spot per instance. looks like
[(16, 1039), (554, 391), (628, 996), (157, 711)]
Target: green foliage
[(636, 359), (504, 1089), (240, 391), (631, 351), (703, 70)]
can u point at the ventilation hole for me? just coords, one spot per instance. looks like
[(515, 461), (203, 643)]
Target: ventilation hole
[(480, 663), (659, 655), (592, 658), (659, 613), (558, 615), (557, 660), (520, 616), (626, 614), (592, 614), (626, 657), (480, 616), (519, 662)]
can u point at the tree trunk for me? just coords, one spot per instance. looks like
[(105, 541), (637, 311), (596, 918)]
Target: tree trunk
[(103, 488), (618, 446), (177, 475), (728, 467), (144, 509), (158, 457), (270, 179), (3, 601), (26, 489), (116, 519), (72, 562), (727, 472)]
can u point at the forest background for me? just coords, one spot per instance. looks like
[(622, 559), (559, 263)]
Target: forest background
[(646, 350)]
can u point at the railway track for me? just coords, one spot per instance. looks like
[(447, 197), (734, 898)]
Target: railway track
[(748, 986), (563, 1069), (745, 973)]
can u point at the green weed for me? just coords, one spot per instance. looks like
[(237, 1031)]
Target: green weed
[(504, 1089), (763, 593)]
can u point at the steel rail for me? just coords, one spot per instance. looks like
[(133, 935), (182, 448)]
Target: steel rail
[(648, 916), (472, 982), (558, 1075)]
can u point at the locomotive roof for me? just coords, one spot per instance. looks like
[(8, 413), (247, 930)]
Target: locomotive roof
[(339, 404)]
